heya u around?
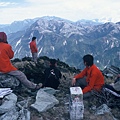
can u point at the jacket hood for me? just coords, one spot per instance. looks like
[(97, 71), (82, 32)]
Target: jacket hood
[(3, 37)]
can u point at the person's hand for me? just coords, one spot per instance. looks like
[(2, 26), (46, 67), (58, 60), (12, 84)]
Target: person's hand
[(73, 81)]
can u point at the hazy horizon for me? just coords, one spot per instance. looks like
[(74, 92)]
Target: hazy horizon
[(74, 10)]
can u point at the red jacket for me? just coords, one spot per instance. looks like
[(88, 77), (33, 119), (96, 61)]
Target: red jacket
[(6, 53), (94, 78), (33, 47)]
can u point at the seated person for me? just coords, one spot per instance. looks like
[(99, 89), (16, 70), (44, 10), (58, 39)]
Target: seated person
[(115, 87), (90, 78), (6, 53), (52, 75)]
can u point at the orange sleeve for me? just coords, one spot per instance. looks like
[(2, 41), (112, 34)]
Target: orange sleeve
[(81, 74), (35, 47), (10, 52)]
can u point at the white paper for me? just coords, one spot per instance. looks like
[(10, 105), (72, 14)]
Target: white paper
[(76, 90)]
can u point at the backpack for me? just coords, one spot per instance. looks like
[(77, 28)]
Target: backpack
[(52, 79)]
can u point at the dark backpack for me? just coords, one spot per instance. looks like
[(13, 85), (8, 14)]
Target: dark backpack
[(52, 79)]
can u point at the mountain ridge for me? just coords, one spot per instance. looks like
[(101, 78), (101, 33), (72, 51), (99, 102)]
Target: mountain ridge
[(69, 41)]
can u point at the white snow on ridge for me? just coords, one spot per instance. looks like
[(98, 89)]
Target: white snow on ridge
[(18, 42)]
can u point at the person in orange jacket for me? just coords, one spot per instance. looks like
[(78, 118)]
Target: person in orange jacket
[(6, 53), (33, 48), (90, 78)]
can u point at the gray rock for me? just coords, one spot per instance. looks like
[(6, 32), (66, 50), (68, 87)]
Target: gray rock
[(9, 103), (8, 81), (44, 101), (49, 90), (102, 109), (12, 114)]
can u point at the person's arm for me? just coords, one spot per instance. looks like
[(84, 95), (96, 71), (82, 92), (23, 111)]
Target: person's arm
[(73, 81), (78, 76), (35, 47), (10, 52)]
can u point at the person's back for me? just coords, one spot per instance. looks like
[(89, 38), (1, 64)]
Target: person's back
[(52, 75), (33, 48), (97, 80), (6, 53)]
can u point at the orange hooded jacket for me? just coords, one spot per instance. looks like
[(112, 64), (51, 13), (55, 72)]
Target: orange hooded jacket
[(33, 47), (6, 53), (94, 78)]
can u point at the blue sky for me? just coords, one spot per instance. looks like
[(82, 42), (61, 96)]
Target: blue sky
[(15, 10)]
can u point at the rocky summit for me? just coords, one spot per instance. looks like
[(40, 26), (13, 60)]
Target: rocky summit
[(50, 104)]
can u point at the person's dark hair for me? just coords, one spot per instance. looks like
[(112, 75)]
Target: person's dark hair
[(88, 59), (33, 38), (53, 61)]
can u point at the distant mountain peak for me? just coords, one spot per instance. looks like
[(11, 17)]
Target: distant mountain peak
[(68, 41)]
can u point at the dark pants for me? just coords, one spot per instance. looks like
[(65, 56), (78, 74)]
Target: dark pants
[(53, 83), (82, 83)]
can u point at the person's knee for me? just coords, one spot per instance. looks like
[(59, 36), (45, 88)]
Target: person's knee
[(87, 95)]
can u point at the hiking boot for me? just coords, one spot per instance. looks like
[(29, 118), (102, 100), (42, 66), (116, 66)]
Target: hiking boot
[(38, 86)]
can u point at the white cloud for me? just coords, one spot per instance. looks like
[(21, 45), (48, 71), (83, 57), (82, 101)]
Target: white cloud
[(69, 9), (5, 4)]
